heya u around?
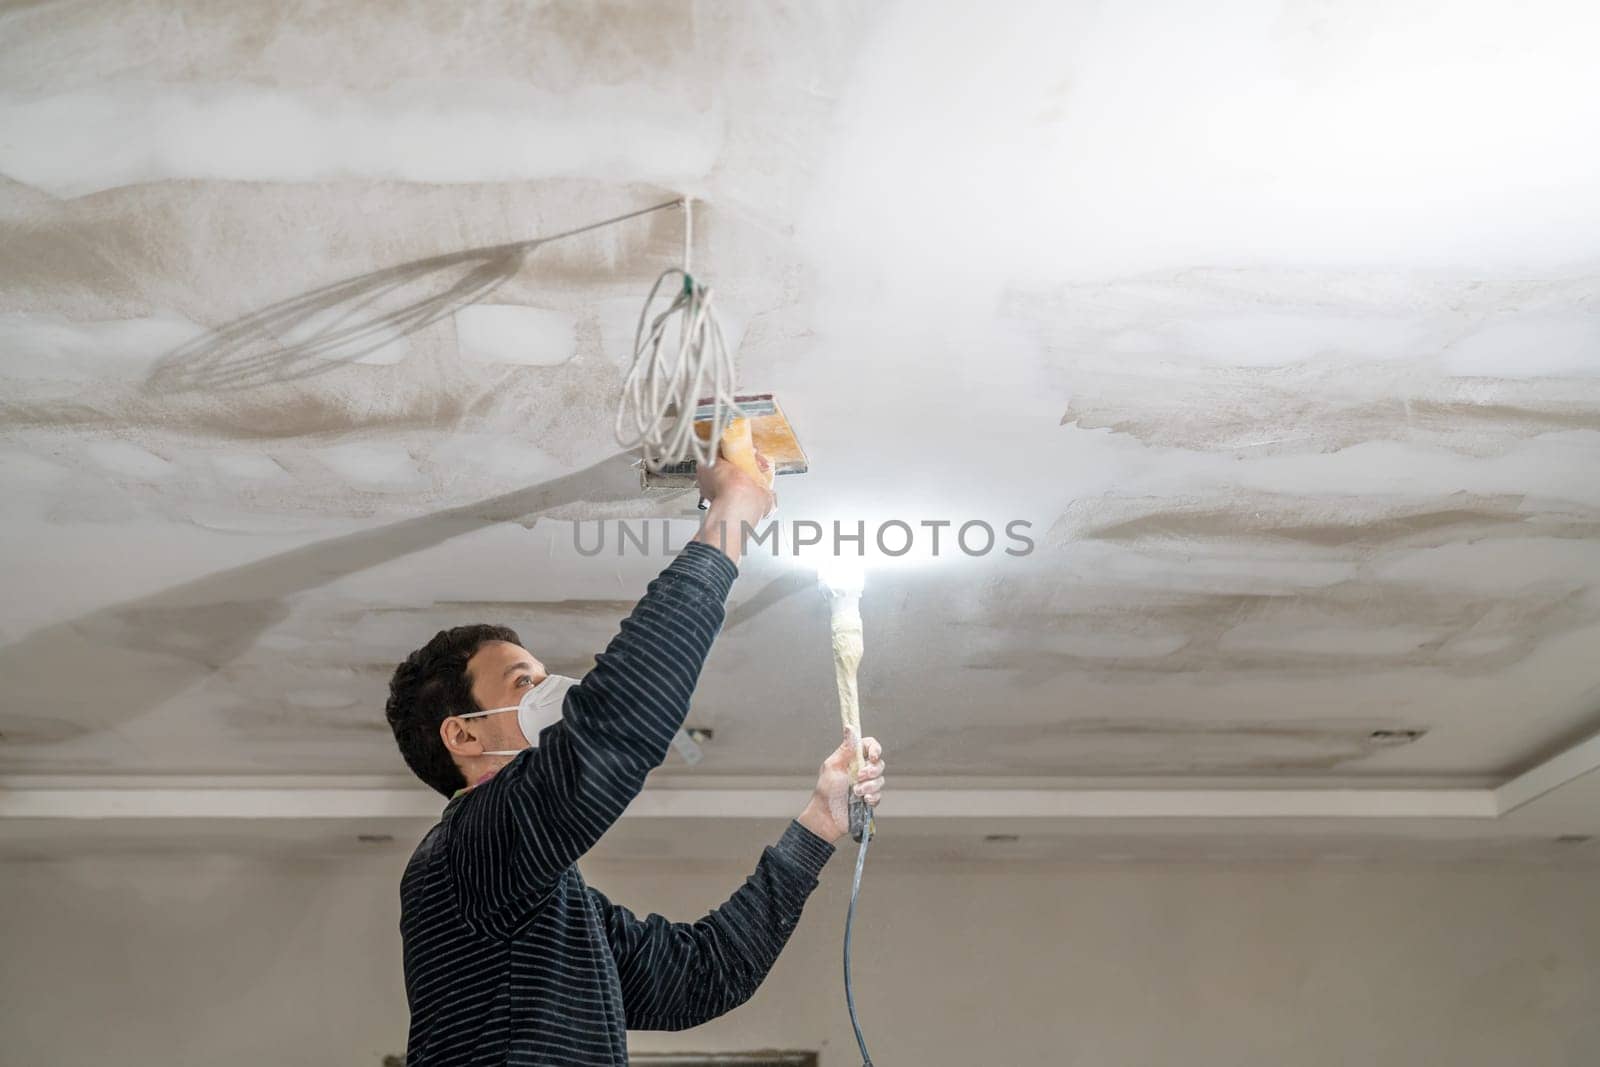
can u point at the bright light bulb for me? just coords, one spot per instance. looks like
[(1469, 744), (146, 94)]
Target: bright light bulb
[(842, 574)]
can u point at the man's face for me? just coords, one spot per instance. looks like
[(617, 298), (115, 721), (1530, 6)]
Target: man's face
[(501, 673)]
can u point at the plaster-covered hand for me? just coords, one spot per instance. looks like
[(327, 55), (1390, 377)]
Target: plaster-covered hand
[(828, 814), (735, 499), (726, 482)]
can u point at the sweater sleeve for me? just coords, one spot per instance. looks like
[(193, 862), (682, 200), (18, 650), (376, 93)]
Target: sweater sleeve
[(678, 975), (512, 837)]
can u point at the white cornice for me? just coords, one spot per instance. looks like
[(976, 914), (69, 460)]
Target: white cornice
[(258, 797)]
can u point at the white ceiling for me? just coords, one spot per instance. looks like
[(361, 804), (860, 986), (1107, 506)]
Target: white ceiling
[(1280, 324)]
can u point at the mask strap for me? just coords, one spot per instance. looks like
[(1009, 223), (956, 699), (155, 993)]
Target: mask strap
[(493, 711), (489, 711)]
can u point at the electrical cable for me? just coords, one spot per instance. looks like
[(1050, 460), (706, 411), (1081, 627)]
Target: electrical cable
[(666, 383), (849, 926)]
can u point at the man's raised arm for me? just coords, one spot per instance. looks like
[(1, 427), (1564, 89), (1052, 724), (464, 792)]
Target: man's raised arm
[(513, 836)]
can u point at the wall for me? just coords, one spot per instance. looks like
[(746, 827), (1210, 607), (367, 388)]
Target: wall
[(180, 960)]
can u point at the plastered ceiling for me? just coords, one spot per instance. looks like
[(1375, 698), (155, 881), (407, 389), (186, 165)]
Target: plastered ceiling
[(1279, 324)]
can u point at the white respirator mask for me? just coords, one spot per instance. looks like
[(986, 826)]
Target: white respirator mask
[(540, 707)]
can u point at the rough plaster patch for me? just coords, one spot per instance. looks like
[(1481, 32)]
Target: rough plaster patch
[(522, 336), (350, 402), (1473, 583), (1319, 521), (245, 381), (1310, 639), (1283, 411), (449, 132), (1174, 360), (1358, 626), (330, 334), (376, 317), (338, 408)]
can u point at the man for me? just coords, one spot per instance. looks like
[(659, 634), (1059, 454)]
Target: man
[(509, 957)]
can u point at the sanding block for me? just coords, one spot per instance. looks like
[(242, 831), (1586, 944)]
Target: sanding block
[(760, 426)]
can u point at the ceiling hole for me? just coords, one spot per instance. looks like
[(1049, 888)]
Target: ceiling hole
[(375, 839), (1574, 839), (1001, 839)]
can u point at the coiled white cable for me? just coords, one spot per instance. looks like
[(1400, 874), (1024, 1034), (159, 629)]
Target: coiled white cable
[(667, 382)]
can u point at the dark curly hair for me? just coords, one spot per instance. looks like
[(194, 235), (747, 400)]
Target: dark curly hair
[(429, 687)]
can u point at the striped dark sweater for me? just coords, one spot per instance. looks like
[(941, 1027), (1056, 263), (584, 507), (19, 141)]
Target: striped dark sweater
[(509, 957)]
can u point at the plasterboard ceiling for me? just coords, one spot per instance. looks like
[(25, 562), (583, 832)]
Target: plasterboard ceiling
[(1278, 327)]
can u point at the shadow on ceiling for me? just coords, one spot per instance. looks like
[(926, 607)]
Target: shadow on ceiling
[(327, 328), (114, 665)]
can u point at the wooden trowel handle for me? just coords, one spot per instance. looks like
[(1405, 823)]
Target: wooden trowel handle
[(739, 449)]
